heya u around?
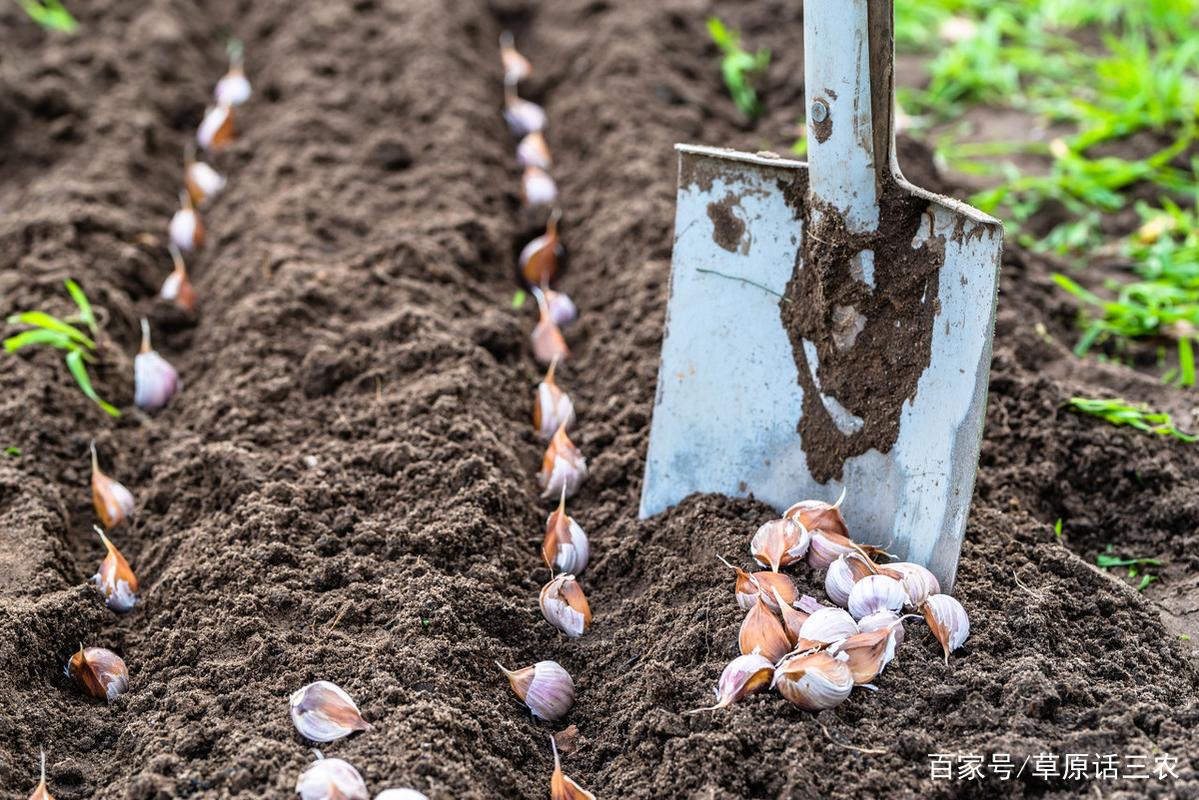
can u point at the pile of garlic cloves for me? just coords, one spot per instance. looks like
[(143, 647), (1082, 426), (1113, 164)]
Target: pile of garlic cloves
[(815, 654)]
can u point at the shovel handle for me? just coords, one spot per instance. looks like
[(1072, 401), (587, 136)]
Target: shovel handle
[(849, 60)]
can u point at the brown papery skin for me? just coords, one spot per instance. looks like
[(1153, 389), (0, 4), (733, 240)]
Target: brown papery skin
[(762, 631)]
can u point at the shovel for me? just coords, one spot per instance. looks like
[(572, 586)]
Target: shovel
[(829, 324)]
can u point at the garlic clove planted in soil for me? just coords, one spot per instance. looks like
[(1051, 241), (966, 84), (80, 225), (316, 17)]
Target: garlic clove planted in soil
[(817, 515), (564, 605), (841, 576), (400, 794), (548, 344), (516, 66), (565, 548), (747, 586), (112, 501), (876, 593), (539, 259), (115, 580), (813, 681), (761, 632), (562, 787), (562, 309), (779, 543), (233, 89), (534, 152), (99, 672), (948, 621), (917, 581), (743, 676), (545, 687), (203, 183), (826, 626), (177, 288), (537, 187), (155, 381), (331, 779), (323, 712), (186, 229), (563, 467), (523, 117), (42, 792), (553, 409), (216, 129)]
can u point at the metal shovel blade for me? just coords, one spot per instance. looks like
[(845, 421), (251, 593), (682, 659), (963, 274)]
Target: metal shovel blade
[(829, 324)]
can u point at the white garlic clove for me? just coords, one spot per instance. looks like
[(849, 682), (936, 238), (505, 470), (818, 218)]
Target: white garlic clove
[(814, 681), (809, 604), (331, 779), (523, 117), (565, 547), (534, 152), (547, 341), (112, 501), (761, 632), (563, 467), (793, 620), (115, 579), (203, 182), (233, 89), (817, 515), (876, 593), (747, 587), (400, 794), (537, 187), (826, 626), (216, 129), (826, 548), (743, 676), (841, 576), (564, 605), (562, 309), (186, 230), (779, 543), (948, 621), (885, 619), (155, 381), (99, 672), (553, 409), (323, 712), (545, 687), (177, 288), (917, 581), (516, 66)]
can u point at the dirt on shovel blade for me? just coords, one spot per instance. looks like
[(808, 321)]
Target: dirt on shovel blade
[(344, 488)]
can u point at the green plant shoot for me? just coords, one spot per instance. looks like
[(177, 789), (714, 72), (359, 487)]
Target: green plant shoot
[(1121, 412), (50, 14), (738, 67)]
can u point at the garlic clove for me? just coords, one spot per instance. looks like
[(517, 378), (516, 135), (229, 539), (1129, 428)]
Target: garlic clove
[(562, 309), (523, 117), (562, 787), (99, 672), (813, 681), (203, 183), (186, 230), (948, 621), (115, 580), (809, 604), (155, 381), (866, 653), (42, 792), (233, 89), (545, 687), (216, 129), (817, 515), (323, 712), (563, 467), (779, 543), (747, 586), (534, 152), (885, 619), (553, 408), (516, 66), (876, 593), (743, 676), (917, 581), (112, 501), (537, 187), (400, 794), (564, 605), (565, 548), (826, 626), (331, 779), (761, 632), (841, 576), (539, 259), (793, 619), (177, 288), (548, 344)]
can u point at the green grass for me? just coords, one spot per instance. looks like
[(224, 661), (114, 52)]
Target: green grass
[(1138, 416), (1108, 559), (50, 14), (738, 67)]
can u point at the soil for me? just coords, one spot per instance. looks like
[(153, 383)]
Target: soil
[(344, 489)]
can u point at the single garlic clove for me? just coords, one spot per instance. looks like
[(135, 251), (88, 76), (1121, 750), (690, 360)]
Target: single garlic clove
[(779, 543), (537, 187), (545, 687), (564, 605), (562, 309), (814, 681), (523, 117), (548, 344), (562, 787), (331, 779), (747, 586), (233, 89), (817, 515), (563, 467), (884, 619), (112, 501), (761, 632), (115, 580), (155, 381), (177, 288), (534, 152), (793, 620), (400, 794), (828, 547), (99, 672), (203, 183), (216, 129), (948, 621), (539, 259), (839, 580), (553, 408), (516, 66), (866, 653), (323, 712), (743, 676), (565, 548), (42, 792), (186, 230), (876, 593), (917, 581), (826, 626)]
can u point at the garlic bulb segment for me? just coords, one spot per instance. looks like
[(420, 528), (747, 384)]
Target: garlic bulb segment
[(99, 672), (331, 779), (323, 712), (177, 288), (562, 787), (779, 543), (888, 620), (565, 548), (743, 676), (553, 408), (548, 344), (561, 308), (42, 792), (793, 619), (813, 681), (534, 152), (186, 230), (809, 604), (826, 626), (563, 467), (516, 66), (761, 632), (817, 515), (115, 580), (203, 183), (400, 794), (866, 653), (948, 621), (564, 606), (233, 89), (917, 581), (827, 548), (537, 187), (876, 593), (522, 116), (545, 687), (155, 381), (747, 586), (112, 501), (841, 576), (539, 258), (216, 129)]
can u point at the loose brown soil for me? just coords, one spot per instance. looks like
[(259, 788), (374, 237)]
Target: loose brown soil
[(344, 490)]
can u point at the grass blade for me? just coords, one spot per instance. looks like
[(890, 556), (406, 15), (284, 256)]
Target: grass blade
[(41, 319), (79, 370), (85, 307), (38, 336)]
